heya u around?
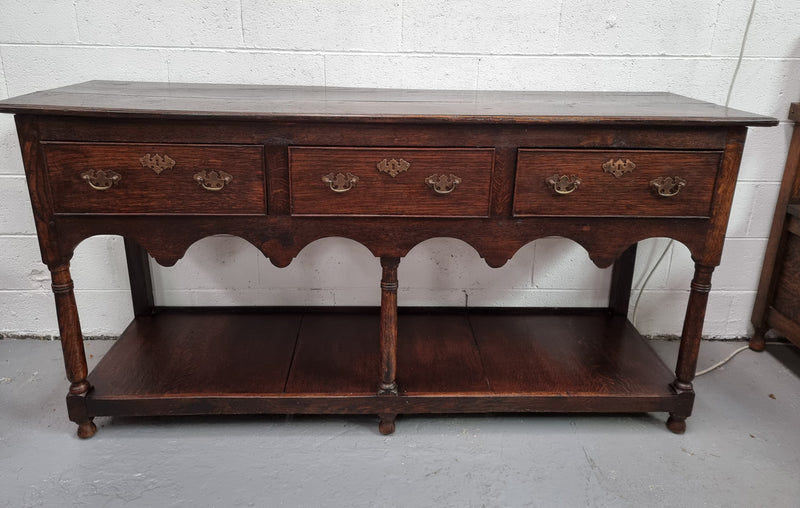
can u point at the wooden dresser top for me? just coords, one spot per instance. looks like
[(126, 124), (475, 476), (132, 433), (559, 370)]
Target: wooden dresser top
[(139, 99)]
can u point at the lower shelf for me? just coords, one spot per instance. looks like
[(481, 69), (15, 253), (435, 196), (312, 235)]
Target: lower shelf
[(226, 362)]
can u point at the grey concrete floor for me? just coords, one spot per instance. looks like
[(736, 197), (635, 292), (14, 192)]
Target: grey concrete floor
[(741, 448)]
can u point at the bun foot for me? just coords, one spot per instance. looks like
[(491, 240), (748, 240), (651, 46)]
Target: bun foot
[(386, 425), (87, 430), (676, 424), (757, 342)]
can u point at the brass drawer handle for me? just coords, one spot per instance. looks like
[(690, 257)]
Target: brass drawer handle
[(157, 162), (212, 180), (668, 186), (340, 182), (100, 179), (564, 184), (443, 184)]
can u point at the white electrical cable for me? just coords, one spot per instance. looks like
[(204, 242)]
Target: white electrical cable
[(741, 52), (666, 249), (647, 279), (721, 363), (727, 103), (734, 353)]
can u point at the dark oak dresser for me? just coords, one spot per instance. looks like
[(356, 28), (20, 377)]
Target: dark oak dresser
[(777, 303), (164, 165)]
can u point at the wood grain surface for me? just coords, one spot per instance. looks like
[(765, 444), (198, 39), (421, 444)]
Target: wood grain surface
[(118, 98), (229, 362)]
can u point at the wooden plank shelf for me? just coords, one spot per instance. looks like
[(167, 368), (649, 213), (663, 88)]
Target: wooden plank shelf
[(229, 362)]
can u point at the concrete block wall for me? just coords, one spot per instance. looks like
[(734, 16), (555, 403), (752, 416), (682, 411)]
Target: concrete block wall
[(681, 46)]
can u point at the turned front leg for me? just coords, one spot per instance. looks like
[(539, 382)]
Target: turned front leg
[(690, 342), (388, 331), (69, 327)]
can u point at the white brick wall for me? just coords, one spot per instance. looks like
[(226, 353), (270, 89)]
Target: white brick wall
[(179, 23), (681, 46), (372, 25)]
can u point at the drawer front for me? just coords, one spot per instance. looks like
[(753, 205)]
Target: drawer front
[(615, 183), (116, 178), (391, 181)]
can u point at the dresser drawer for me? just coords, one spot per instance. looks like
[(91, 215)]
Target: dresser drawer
[(615, 183), (391, 181), (117, 178)]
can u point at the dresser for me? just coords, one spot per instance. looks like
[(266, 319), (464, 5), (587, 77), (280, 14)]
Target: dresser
[(165, 165)]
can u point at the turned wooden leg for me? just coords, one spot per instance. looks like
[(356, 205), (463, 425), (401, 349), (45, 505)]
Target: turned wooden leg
[(388, 331), (72, 347), (388, 384), (757, 341), (690, 343)]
